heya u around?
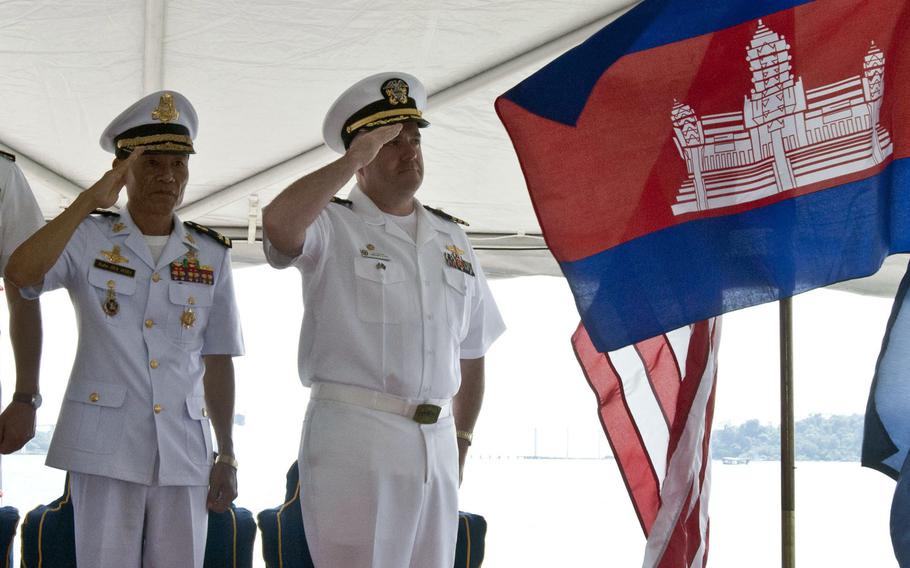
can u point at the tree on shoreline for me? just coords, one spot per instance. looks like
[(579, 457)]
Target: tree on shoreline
[(818, 438)]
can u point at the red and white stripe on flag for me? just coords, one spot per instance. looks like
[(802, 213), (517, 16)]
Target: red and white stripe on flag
[(656, 404)]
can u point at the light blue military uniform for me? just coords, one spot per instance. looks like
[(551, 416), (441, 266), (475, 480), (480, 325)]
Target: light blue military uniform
[(135, 391), (133, 429)]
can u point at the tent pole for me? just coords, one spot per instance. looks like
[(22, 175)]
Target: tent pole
[(787, 454)]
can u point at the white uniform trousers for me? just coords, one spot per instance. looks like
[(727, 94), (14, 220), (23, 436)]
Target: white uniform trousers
[(119, 524), (378, 490)]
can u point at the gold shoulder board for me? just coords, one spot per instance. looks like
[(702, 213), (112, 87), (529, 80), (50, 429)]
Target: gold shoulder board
[(446, 216), (224, 241)]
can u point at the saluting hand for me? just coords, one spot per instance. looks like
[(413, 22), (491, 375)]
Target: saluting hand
[(367, 145), (106, 190)]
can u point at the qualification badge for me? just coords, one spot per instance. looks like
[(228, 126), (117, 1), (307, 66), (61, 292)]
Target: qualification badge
[(111, 306), (114, 255)]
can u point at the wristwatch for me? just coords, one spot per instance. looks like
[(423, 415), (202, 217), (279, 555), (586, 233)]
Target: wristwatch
[(31, 399), (226, 459)]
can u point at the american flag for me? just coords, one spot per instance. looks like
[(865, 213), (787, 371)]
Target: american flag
[(656, 403)]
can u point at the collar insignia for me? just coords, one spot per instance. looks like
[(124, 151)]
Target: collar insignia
[(117, 227)]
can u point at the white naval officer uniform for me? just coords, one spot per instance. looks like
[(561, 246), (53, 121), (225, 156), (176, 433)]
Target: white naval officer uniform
[(20, 215), (384, 314), (133, 428), (19, 212)]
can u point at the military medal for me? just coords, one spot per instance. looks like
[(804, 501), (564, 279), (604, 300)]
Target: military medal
[(111, 306), (453, 259), (188, 317), (189, 270)]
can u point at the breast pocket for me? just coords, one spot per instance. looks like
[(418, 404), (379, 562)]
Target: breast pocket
[(458, 299), (382, 294), (91, 418), (188, 311), (114, 292)]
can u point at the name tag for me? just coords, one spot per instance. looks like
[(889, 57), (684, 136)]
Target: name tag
[(116, 268)]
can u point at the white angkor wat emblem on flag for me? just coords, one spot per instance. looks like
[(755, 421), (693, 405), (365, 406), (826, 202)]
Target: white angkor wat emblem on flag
[(785, 137)]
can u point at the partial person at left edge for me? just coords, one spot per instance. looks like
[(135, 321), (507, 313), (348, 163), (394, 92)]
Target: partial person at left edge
[(153, 373), (20, 217)]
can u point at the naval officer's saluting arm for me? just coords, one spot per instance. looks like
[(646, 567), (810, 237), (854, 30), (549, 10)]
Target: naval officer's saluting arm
[(286, 218), (37, 255)]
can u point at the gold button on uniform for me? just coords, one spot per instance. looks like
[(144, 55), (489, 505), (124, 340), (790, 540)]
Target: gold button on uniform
[(94, 397), (157, 408), (205, 412), (156, 277), (153, 363), (149, 323)]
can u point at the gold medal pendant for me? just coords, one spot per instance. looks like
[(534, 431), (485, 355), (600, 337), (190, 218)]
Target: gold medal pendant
[(111, 306), (188, 318)]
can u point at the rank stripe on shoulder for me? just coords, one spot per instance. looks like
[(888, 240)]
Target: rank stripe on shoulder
[(345, 202), (8, 156), (446, 216), (210, 232)]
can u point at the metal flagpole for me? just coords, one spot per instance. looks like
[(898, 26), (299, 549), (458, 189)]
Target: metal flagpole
[(787, 454)]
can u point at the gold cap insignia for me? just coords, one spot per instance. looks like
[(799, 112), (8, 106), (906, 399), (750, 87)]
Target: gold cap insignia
[(166, 111), (396, 90)]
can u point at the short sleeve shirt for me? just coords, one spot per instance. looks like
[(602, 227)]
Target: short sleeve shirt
[(385, 313), (19, 212)]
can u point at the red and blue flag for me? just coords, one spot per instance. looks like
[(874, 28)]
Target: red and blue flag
[(697, 157)]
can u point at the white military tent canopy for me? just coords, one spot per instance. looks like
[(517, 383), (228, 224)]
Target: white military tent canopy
[(262, 74)]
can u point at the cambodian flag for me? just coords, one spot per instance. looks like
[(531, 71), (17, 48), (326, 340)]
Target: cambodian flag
[(697, 157)]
